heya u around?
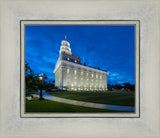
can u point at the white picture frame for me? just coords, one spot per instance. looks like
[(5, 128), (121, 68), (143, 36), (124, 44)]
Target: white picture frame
[(12, 125)]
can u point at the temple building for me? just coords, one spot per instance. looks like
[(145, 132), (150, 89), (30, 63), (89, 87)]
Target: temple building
[(71, 74)]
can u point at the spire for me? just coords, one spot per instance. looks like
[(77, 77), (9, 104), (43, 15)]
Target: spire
[(65, 37)]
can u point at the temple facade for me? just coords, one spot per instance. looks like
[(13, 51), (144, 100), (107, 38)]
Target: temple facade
[(71, 74)]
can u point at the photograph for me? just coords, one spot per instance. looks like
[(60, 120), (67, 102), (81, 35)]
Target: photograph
[(79, 68)]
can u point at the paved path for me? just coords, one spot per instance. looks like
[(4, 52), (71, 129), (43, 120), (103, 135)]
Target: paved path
[(88, 104)]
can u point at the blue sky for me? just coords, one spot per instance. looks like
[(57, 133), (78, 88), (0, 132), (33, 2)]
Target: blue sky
[(110, 47)]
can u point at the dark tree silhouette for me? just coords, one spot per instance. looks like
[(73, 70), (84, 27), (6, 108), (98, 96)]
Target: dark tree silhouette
[(32, 80)]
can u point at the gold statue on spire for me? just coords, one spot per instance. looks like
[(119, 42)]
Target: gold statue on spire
[(65, 37)]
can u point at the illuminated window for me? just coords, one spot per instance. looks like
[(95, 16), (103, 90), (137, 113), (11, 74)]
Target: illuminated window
[(81, 73), (75, 61), (87, 74), (68, 77), (92, 80), (100, 77), (67, 71), (67, 83), (75, 83), (75, 72), (81, 84), (96, 76), (87, 79), (92, 75), (81, 78), (87, 84), (96, 85), (75, 78), (92, 85), (68, 59)]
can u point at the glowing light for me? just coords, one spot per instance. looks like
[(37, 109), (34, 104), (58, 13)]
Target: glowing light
[(81, 84), (81, 73), (41, 78), (87, 84), (75, 72), (67, 71)]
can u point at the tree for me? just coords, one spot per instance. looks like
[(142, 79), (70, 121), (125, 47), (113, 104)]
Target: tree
[(128, 86), (33, 83), (109, 87), (117, 86)]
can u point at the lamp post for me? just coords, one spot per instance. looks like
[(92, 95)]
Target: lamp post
[(41, 87)]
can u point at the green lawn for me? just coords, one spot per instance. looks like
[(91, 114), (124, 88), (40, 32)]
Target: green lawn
[(114, 98), (51, 106)]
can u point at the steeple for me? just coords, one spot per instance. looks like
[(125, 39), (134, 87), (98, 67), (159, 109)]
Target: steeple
[(65, 46)]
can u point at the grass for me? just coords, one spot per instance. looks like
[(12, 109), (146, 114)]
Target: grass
[(114, 98), (52, 106)]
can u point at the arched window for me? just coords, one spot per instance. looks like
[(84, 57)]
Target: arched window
[(81, 73), (67, 71), (75, 72), (81, 84), (92, 75)]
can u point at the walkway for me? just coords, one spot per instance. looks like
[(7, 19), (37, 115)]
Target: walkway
[(88, 104)]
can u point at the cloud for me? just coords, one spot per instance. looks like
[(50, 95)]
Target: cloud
[(109, 47)]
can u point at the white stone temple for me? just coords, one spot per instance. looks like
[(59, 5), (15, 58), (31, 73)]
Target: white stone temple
[(70, 73)]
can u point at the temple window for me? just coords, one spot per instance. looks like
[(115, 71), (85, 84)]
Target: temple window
[(92, 75), (67, 71), (75, 72), (81, 73)]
